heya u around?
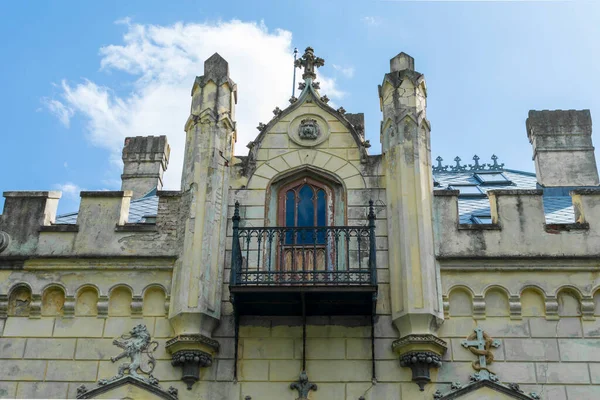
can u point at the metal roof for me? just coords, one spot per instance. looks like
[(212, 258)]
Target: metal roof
[(558, 209)]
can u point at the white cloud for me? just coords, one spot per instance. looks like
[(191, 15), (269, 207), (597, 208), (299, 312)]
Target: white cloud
[(61, 111), (348, 72), (69, 189), (162, 62), (373, 21)]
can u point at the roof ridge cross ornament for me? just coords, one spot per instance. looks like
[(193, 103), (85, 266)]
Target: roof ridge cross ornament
[(309, 62)]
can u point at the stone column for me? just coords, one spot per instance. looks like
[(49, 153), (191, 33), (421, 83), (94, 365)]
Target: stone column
[(198, 276), (415, 298)]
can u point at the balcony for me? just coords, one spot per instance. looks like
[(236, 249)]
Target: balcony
[(300, 271)]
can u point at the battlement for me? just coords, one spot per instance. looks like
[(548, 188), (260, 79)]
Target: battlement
[(518, 227), (101, 230)]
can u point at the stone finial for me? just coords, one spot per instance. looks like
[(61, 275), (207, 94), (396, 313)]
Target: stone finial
[(401, 62), (309, 62)]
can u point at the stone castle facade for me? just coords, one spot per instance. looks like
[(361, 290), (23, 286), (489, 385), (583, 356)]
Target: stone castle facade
[(311, 269)]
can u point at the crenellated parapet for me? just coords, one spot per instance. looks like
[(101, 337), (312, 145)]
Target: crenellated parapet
[(29, 230), (518, 228)]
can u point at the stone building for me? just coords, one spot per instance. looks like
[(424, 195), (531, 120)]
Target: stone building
[(310, 268)]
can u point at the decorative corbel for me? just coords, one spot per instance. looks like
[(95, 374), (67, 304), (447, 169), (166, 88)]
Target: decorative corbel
[(420, 353), (191, 352)]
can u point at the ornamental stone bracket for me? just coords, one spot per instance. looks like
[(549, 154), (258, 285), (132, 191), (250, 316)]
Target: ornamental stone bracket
[(420, 353), (134, 377), (303, 386), (481, 345), (191, 352)]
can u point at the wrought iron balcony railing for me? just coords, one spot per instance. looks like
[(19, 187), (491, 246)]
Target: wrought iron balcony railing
[(314, 256)]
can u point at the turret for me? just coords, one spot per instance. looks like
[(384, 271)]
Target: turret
[(405, 136), (197, 278)]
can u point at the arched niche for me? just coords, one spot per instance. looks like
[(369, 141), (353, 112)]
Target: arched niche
[(53, 300), (496, 303), (119, 301), (532, 303), (87, 302), (460, 303), (19, 301), (568, 303), (154, 301)]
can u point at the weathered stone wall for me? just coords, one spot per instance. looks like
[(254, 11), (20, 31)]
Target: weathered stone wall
[(60, 320), (544, 314)]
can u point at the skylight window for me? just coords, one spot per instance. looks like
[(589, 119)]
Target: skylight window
[(494, 178), (469, 190), (482, 219)]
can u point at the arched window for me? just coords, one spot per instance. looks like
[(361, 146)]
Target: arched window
[(305, 203)]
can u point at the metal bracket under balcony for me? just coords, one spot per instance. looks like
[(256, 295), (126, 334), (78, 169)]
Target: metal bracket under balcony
[(327, 270)]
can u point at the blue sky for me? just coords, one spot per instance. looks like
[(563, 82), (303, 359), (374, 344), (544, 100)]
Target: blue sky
[(80, 76)]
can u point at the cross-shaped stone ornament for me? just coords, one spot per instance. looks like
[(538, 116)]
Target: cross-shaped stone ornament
[(309, 62), (481, 347)]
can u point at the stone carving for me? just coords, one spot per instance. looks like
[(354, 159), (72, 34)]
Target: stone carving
[(309, 129), (81, 390), (309, 62), (303, 386), (316, 85), (191, 361), (277, 111), (481, 344), (420, 362), (138, 346), (4, 241), (301, 85), (325, 99), (341, 110), (135, 345), (261, 127), (293, 99)]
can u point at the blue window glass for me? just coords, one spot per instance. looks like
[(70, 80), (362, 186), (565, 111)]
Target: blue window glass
[(469, 190), (497, 178), (306, 214), (305, 206), (481, 219)]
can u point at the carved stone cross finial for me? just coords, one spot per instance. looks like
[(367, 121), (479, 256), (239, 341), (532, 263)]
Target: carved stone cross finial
[(309, 62), (480, 344)]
